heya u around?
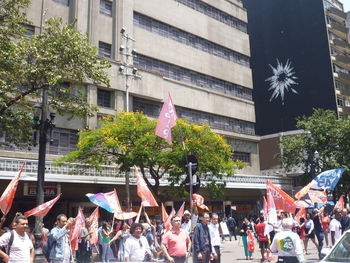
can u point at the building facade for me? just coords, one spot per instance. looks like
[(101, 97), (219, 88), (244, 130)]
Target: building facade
[(198, 51)]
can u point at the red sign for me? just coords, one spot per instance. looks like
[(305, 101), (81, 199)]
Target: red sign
[(49, 190)]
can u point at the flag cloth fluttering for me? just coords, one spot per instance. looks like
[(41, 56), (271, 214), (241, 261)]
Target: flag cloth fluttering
[(200, 201), (79, 223), (181, 210), (327, 180), (42, 209), (108, 201), (340, 203), (251, 245), (93, 228), (143, 192), (167, 224), (282, 200), (271, 212), (318, 196), (303, 192), (164, 214), (8, 195), (301, 213), (166, 120)]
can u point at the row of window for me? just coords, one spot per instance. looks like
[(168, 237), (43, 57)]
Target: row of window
[(192, 77), (105, 6), (215, 13), (152, 108), (242, 156), (188, 39), (340, 69), (342, 86), (342, 102)]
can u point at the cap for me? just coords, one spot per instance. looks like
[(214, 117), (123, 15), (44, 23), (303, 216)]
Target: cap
[(186, 212)]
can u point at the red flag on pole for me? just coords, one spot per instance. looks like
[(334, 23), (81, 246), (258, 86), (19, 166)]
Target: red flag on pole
[(317, 196), (200, 201), (301, 213), (340, 203), (42, 209), (164, 214), (251, 245), (143, 192), (282, 200), (8, 195), (79, 223), (93, 222), (166, 120), (181, 210)]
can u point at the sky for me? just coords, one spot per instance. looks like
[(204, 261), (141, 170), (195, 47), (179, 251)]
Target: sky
[(346, 4)]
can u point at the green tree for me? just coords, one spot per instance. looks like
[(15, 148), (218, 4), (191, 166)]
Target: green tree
[(324, 145), (128, 140), (59, 54)]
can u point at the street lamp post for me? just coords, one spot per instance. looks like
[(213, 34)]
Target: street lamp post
[(44, 125), (128, 70)]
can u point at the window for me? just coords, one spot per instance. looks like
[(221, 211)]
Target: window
[(106, 7), (63, 2), (63, 141), (242, 156), (29, 30), (340, 101), (104, 98), (191, 77), (104, 49), (188, 39)]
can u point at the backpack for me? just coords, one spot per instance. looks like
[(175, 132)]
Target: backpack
[(50, 242), (7, 248)]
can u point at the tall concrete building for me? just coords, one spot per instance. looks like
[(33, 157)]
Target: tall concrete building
[(198, 51), (300, 61)]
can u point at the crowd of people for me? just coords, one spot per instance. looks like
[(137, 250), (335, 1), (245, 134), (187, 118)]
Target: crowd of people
[(150, 240)]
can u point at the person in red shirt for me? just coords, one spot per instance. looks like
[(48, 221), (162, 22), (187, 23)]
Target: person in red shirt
[(176, 243), (262, 238)]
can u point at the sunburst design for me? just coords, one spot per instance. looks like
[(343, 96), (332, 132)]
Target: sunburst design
[(282, 80)]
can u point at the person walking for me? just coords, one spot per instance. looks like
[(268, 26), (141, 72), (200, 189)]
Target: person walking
[(318, 229), (335, 227), (262, 238), (201, 241), (176, 243), (104, 232), (136, 246), (215, 238), (344, 220), (122, 235), (246, 226), (61, 250), (83, 254), (287, 244), (325, 220), (309, 232), (232, 225), (19, 246)]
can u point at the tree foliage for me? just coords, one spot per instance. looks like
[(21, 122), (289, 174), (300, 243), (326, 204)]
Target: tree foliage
[(129, 140), (29, 64), (324, 145)]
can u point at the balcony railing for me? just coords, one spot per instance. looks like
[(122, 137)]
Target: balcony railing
[(69, 172)]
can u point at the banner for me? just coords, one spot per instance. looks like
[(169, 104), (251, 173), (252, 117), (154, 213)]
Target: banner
[(340, 203), (200, 201), (8, 195), (93, 226), (166, 120), (143, 192), (282, 200), (327, 180), (303, 192), (318, 196), (42, 209)]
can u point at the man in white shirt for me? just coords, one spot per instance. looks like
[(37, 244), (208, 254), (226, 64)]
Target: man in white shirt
[(287, 244), (186, 219), (136, 248), (335, 227), (20, 246), (215, 238)]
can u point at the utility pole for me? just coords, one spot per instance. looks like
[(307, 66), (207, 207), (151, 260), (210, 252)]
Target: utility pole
[(130, 72)]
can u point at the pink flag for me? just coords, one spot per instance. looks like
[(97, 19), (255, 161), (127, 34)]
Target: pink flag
[(76, 229), (143, 192), (8, 195), (164, 214), (113, 201), (317, 196), (181, 210), (42, 209), (340, 203), (167, 224), (265, 213), (200, 201), (271, 212), (167, 120), (93, 222)]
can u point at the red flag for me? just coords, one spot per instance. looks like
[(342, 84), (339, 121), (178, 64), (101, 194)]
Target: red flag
[(8, 195), (166, 120), (250, 241), (143, 192), (317, 196), (164, 214), (42, 209), (282, 200), (93, 222), (303, 192), (181, 210), (340, 203), (167, 224), (200, 201), (301, 213), (79, 223)]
